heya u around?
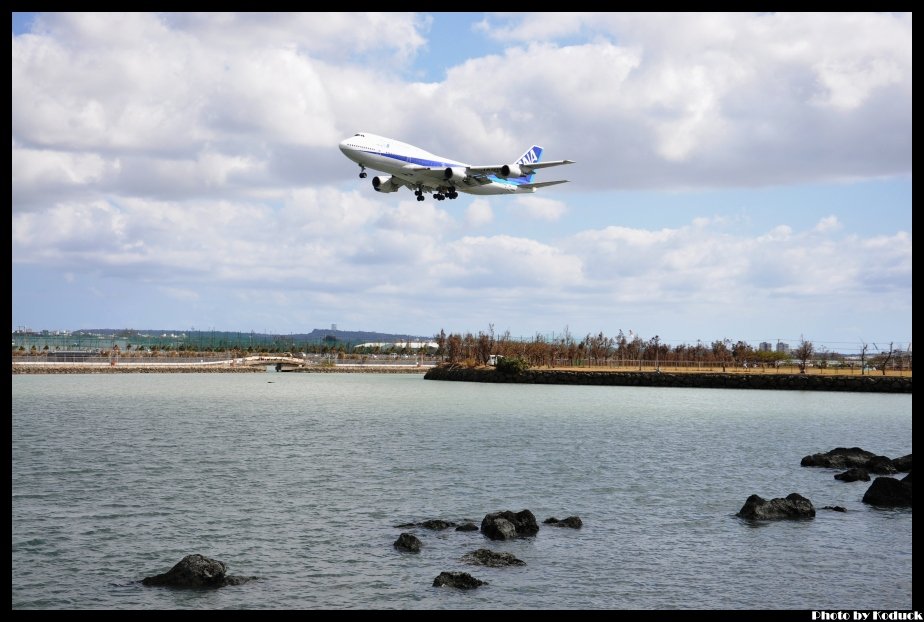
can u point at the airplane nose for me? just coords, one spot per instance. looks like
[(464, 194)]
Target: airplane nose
[(344, 145)]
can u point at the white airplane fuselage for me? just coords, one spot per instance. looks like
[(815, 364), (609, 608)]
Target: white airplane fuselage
[(425, 172)]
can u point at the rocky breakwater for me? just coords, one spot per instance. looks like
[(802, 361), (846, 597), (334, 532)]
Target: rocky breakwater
[(696, 380)]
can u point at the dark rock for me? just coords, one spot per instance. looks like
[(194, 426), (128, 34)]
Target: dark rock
[(487, 557), (881, 465), (835, 508), (407, 543), (854, 457), (903, 464), (461, 580), (506, 525), (839, 458), (889, 492), (793, 506), (574, 522), (236, 580), (853, 475), (196, 571), (436, 524), (467, 527)]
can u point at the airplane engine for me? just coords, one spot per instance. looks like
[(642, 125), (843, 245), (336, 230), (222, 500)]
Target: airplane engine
[(511, 170), (384, 184), (455, 174)]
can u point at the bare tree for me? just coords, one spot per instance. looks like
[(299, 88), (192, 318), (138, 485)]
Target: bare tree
[(454, 348), (720, 352), (887, 358), (483, 346), (803, 353), (441, 343), (863, 357)]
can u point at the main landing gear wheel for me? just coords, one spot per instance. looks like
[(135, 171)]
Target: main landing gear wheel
[(420, 197), (362, 173)]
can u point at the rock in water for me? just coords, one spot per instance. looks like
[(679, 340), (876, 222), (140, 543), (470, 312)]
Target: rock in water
[(506, 525), (889, 492), (408, 543), (461, 580), (574, 522), (492, 559), (793, 506), (855, 474), (196, 571)]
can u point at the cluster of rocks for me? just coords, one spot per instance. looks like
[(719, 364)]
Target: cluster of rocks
[(438, 524), (196, 571), (506, 525), (860, 459), (884, 492)]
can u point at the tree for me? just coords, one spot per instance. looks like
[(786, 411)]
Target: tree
[(803, 353), (720, 351), (483, 346), (884, 359), (454, 348), (441, 343)]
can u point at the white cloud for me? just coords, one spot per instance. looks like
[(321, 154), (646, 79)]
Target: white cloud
[(197, 153), (540, 208), (506, 261), (828, 223), (479, 212)]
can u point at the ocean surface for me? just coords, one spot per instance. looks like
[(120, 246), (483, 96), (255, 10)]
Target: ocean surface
[(300, 479)]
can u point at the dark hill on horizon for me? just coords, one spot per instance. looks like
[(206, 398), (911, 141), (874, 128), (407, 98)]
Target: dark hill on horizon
[(316, 335)]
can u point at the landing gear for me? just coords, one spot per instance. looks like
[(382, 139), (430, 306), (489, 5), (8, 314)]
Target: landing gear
[(445, 193), (362, 173), (419, 193)]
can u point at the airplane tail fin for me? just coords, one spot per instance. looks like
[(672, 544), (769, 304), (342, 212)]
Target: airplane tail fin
[(532, 155)]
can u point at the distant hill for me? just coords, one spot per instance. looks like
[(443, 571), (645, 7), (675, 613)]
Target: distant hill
[(315, 336)]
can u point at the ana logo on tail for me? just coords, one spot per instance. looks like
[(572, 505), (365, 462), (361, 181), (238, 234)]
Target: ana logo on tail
[(532, 156)]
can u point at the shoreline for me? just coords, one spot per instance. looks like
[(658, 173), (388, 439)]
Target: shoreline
[(183, 368), (690, 380)]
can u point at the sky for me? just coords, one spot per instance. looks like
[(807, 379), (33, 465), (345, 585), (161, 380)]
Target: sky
[(738, 176)]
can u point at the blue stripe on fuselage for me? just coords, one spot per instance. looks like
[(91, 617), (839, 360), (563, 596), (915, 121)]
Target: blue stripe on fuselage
[(515, 181), (410, 160)]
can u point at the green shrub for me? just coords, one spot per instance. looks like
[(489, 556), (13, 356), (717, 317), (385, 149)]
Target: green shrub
[(511, 365)]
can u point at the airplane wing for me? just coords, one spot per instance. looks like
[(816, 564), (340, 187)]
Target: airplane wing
[(438, 174), (527, 169), (542, 184)]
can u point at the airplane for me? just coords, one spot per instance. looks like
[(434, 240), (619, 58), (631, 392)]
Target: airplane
[(423, 172)]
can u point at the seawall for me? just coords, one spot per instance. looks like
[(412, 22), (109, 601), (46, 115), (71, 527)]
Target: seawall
[(694, 380)]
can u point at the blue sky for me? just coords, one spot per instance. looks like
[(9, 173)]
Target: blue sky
[(741, 176)]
